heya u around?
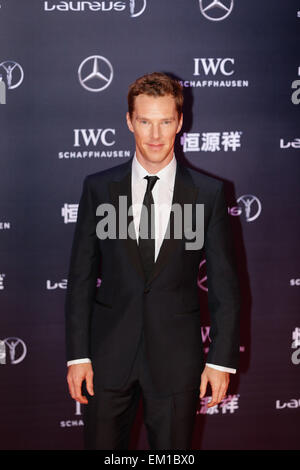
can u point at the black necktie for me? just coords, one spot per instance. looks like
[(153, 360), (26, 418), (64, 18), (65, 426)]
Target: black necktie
[(146, 242)]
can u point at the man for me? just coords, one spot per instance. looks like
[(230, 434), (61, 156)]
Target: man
[(138, 334)]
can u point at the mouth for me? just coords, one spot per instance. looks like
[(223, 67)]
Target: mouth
[(155, 146)]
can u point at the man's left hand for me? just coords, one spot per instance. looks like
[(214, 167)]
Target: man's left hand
[(218, 381)]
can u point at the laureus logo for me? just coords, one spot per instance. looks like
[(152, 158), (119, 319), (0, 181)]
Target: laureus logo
[(12, 350), (202, 277), (251, 205), (11, 77), (136, 7)]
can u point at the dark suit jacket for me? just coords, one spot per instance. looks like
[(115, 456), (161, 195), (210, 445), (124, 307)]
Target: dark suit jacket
[(105, 323)]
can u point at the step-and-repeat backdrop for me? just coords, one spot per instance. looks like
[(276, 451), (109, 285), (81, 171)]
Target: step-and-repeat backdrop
[(65, 67)]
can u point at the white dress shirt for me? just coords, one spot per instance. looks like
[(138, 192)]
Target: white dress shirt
[(162, 197)]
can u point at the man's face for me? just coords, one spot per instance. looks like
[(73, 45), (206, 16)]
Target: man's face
[(155, 123)]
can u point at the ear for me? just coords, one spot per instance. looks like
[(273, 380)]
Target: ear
[(129, 124), (180, 124)]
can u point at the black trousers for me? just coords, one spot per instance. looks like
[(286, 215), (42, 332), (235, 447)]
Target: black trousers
[(109, 416)]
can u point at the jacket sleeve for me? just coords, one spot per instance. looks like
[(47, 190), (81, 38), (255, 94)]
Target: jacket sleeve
[(82, 278), (223, 287)]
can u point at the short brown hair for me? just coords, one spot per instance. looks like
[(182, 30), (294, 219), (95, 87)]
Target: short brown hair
[(155, 84)]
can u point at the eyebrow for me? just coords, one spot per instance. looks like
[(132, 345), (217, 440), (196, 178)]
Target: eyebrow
[(163, 119)]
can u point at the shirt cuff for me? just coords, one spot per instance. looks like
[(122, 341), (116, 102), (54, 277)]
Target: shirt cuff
[(79, 361), (223, 369)]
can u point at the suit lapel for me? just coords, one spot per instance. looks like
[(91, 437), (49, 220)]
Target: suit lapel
[(123, 188), (184, 193)]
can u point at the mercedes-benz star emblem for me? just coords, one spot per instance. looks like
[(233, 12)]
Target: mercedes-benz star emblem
[(95, 73), (215, 10)]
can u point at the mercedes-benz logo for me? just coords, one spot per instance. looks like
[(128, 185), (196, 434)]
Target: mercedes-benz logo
[(252, 206), (14, 73), (134, 12), (215, 10), (95, 73)]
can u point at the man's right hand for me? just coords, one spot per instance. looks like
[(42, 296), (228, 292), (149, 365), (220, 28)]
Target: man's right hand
[(77, 373)]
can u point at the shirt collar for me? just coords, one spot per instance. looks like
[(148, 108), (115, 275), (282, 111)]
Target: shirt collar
[(166, 174)]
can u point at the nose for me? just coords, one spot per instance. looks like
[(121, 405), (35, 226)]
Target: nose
[(155, 131)]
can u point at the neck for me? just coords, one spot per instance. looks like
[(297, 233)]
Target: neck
[(154, 167)]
